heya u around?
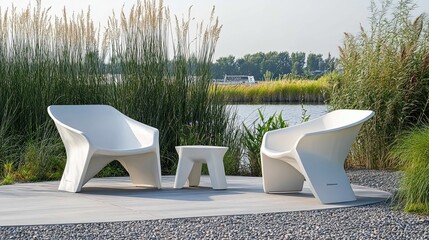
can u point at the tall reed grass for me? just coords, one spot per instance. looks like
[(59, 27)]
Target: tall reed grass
[(386, 69), (43, 61), (286, 91), (47, 60)]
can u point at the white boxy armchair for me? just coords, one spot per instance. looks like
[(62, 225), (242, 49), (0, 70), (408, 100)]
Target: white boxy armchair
[(95, 135), (314, 151)]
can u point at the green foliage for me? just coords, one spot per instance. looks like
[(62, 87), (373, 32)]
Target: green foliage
[(412, 151), (113, 169), (37, 159), (298, 62), (330, 78), (252, 139), (191, 134), (268, 76), (304, 116), (8, 176), (40, 158), (9, 143), (277, 63), (385, 69), (8, 180), (45, 62), (232, 159), (313, 61)]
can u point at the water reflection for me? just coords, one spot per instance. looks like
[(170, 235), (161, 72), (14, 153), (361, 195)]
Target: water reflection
[(248, 113)]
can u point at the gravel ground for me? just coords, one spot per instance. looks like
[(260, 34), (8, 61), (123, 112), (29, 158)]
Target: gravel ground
[(377, 221)]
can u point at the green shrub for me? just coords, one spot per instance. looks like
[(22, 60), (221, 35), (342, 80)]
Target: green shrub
[(412, 151), (385, 69)]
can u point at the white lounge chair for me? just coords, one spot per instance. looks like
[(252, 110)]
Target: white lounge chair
[(95, 135), (314, 151)]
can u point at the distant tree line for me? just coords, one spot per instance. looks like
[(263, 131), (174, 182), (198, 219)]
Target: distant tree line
[(274, 65)]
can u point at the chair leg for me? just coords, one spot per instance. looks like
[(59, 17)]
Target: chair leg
[(328, 182), (323, 164), (195, 175), (279, 176), (75, 170), (144, 169), (183, 171)]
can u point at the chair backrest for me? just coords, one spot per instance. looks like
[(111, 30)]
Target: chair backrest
[(337, 119), (284, 139), (345, 118), (105, 126)]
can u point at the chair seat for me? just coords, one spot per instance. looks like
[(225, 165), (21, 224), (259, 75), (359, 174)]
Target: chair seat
[(123, 152), (277, 154)]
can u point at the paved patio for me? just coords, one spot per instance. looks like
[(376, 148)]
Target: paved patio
[(115, 199)]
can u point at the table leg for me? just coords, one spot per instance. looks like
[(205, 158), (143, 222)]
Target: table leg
[(217, 173), (195, 175), (183, 170)]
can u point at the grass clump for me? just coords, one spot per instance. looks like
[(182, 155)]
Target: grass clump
[(385, 69), (41, 160), (8, 174), (412, 151), (289, 91)]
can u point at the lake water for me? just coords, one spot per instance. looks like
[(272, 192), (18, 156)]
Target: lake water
[(248, 113)]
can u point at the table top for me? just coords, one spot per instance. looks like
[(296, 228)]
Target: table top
[(201, 147)]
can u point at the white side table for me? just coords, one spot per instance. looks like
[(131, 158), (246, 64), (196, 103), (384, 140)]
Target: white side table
[(191, 159)]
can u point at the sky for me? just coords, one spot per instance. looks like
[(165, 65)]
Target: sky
[(250, 26)]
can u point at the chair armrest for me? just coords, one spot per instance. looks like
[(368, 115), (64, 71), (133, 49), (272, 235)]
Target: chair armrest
[(145, 134), (73, 138), (331, 145), (284, 139)]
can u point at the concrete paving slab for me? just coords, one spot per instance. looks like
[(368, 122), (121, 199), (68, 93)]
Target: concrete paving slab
[(115, 199)]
